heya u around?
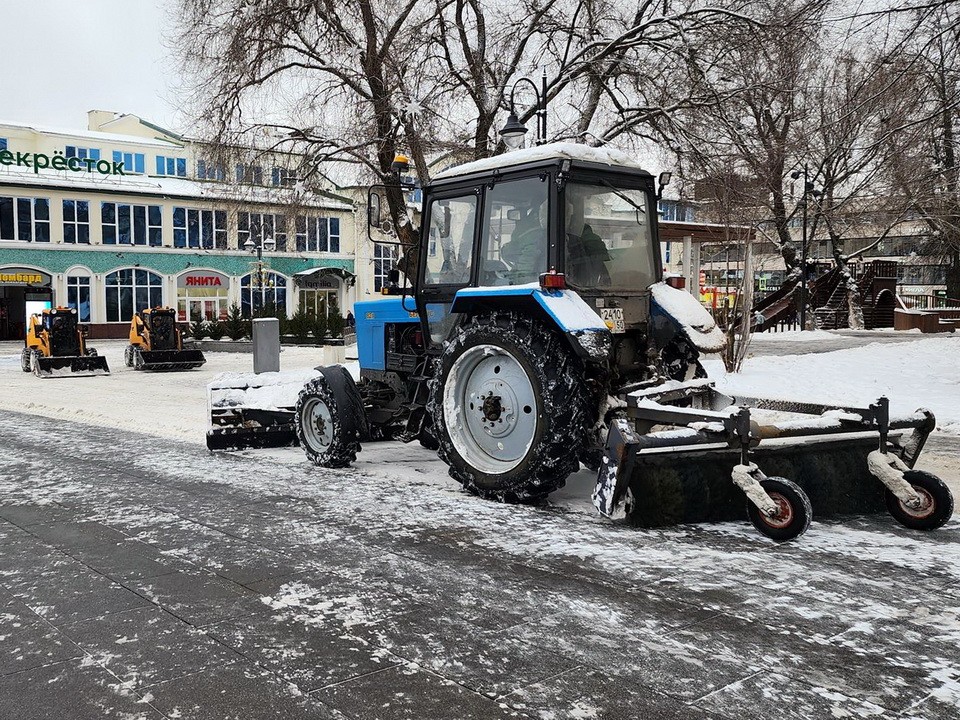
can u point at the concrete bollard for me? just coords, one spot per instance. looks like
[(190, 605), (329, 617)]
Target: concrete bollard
[(266, 345)]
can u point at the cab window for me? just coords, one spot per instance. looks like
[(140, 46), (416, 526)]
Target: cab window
[(450, 240), (514, 238)]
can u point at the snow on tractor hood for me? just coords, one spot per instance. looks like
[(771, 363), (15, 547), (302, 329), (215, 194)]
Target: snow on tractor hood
[(692, 317)]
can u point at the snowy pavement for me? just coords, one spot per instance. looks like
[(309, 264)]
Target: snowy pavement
[(142, 577)]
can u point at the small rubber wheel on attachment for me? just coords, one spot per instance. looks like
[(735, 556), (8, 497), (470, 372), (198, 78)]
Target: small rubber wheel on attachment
[(936, 502), (793, 510)]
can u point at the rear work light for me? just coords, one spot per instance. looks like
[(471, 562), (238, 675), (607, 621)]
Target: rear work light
[(553, 281)]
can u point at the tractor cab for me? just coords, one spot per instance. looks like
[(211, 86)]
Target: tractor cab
[(520, 219)]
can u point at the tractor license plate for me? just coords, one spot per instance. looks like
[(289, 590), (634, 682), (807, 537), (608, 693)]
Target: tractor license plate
[(613, 317)]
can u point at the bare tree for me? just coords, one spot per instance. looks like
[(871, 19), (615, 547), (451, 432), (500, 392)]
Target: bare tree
[(923, 138)]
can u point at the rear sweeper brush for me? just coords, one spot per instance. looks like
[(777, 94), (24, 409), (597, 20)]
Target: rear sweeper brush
[(539, 335)]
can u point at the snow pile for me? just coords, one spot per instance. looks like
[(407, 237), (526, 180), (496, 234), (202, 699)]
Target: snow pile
[(559, 150), (919, 374)]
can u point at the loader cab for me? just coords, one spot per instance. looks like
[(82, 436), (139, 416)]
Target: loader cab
[(502, 222), (61, 327)]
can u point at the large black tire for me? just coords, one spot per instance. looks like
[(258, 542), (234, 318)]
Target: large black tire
[(137, 359), (795, 510), (128, 356), (320, 428), (25, 360), (522, 441), (937, 507)]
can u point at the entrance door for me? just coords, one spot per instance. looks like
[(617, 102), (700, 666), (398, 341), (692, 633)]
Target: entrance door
[(16, 306), (315, 302)]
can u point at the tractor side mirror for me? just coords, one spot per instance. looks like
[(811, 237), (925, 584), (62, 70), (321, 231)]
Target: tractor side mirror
[(373, 210)]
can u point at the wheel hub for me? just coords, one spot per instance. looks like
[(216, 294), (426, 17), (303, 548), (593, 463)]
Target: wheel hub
[(490, 408), (925, 506), (784, 514)]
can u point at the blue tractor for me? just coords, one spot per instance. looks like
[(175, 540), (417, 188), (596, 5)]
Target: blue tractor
[(538, 335)]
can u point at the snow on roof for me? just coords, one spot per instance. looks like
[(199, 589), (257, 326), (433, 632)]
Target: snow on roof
[(559, 151), (165, 186), (91, 135)]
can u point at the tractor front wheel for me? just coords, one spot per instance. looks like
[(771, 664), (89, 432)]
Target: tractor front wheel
[(936, 502), (320, 427), (509, 408), (128, 356), (25, 359), (794, 511)]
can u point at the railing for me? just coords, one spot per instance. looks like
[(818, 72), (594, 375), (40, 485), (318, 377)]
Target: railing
[(929, 302)]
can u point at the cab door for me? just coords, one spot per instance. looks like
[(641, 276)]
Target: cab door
[(448, 256)]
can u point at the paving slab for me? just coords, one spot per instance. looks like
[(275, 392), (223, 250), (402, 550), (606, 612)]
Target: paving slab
[(197, 597), (772, 696), (236, 691), (408, 693), (147, 646), (27, 641), (71, 690), (586, 693), (308, 655)]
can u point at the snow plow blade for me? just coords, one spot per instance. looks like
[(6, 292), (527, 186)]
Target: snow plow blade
[(170, 360), (682, 469), (70, 366), (253, 411)]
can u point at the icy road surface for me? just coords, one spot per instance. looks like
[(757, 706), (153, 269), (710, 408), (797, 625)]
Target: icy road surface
[(142, 577), (146, 578)]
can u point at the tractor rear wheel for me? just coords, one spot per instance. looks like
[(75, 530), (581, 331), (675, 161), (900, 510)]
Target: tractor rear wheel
[(794, 511), (935, 509), (25, 359), (320, 427), (509, 408)]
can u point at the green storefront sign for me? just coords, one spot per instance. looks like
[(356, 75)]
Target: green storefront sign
[(40, 161)]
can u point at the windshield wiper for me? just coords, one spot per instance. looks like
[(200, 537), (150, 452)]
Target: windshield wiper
[(620, 195)]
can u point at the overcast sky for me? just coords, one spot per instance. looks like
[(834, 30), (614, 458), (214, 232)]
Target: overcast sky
[(60, 58)]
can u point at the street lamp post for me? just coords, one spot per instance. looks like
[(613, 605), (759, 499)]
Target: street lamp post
[(807, 188), (513, 132), (258, 246)]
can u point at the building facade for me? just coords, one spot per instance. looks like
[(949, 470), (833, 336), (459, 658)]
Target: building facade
[(127, 215)]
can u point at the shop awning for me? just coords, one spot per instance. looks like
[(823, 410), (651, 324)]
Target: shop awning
[(319, 272)]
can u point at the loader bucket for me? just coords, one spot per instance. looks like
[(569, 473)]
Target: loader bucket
[(169, 360), (70, 366)]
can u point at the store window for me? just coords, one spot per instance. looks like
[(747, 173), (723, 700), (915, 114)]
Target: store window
[(203, 293), (172, 166), (258, 227), (256, 295), (76, 221), (384, 260), (133, 163), (199, 228), (318, 234), (131, 224), (72, 151), (78, 296), (131, 290), (26, 219), (208, 170), (3, 143)]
